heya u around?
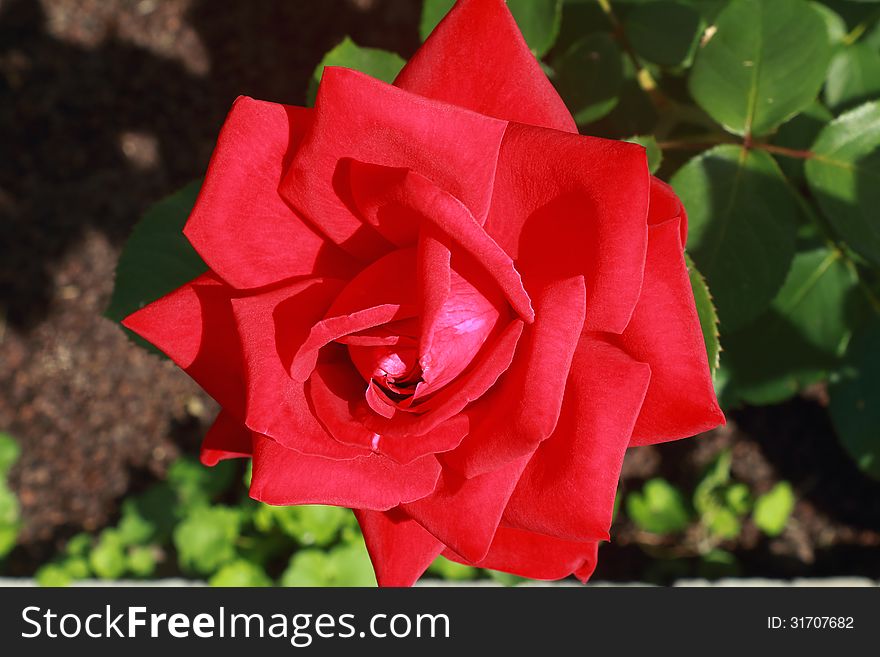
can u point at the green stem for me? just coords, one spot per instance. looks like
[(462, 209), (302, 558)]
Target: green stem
[(702, 142), (856, 33), (643, 76), (838, 246)]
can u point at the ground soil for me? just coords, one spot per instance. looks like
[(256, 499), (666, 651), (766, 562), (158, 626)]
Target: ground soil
[(108, 105)]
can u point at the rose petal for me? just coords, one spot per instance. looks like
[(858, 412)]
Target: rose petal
[(240, 225), (276, 405), (329, 329), (400, 548), (434, 259), (477, 58), (666, 205), (665, 333), (432, 204), (387, 280), (567, 205), (334, 389), (489, 365), (568, 488), (464, 513), (536, 556), (516, 416), (359, 118), (287, 477), (194, 326), (227, 438)]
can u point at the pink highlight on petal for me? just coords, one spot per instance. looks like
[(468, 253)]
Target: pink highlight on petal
[(375, 442)]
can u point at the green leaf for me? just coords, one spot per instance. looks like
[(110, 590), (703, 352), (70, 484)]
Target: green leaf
[(506, 579), (655, 155), (107, 559), (715, 476), (765, 62), (381, 64), (844, 176), (351, 566), (10, 522), (853, 77), (834, 23), (156, 259), (589, 76), (743, 221), (78, 545), (196, 484), (802, 336), (159, 507), (77, 567), (722, 522), (707, 314), (433, 11), (718, 563), (799, 134), (713, 495), (538, 20), (134, 528), (855, 400), (659, 508), (772, 509), (53, 575), (240, 573), (738, 498), (141, 560), (664, 32), (205, 540), (308, 525), (451, 570), (9, 453), (308, 568)]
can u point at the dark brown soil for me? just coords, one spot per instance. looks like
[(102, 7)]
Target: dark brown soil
[(105, 107), (108, 105)]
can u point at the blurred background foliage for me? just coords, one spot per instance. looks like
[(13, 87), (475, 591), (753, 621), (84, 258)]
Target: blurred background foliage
[(764, 116)]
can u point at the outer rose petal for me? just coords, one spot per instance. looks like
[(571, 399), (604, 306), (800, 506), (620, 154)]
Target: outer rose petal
[(464, 513), (240, 225), (665, 333), (227, 438), (568, 488), (400, 548), (287, 477), (567, 205), (523, 408), (360, 118), (536, 556), (477, 58), (666, 205), (194, 326)]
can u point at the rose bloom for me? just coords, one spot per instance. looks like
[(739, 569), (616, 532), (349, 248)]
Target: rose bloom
[(438, 305)]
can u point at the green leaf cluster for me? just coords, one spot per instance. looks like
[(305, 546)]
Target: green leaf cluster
[(714, 512), (10, 517)]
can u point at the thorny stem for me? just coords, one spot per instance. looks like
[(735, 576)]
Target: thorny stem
[(856, 33), (646, 81), (703, 142), (840, 248), (649, 85), (708, 141)]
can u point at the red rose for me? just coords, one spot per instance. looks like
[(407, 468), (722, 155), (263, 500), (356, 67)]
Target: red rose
[(436, 304)]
